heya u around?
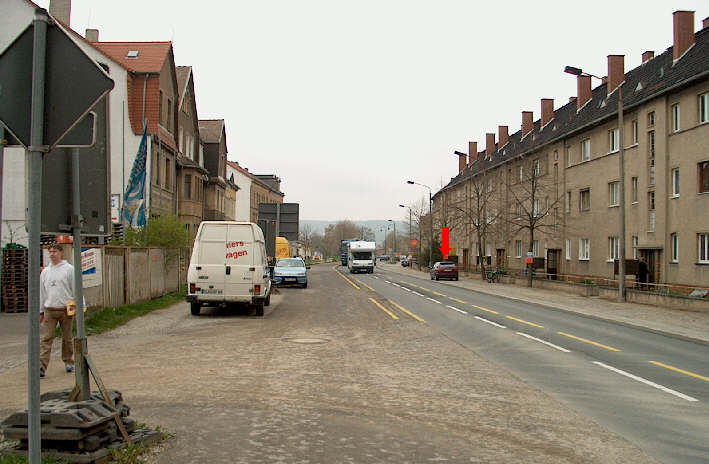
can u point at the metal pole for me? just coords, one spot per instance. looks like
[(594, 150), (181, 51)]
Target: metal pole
[(394, 237), (40, 23), (81, 371), (621, 160), (430, 228), (2, 164), (410, 231)]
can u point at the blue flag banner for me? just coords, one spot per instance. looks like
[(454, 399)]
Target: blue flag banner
[(134, 198)]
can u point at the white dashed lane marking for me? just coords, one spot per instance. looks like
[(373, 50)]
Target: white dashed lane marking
[(556, 347), (490, 322), (456, 309), (645, 381)]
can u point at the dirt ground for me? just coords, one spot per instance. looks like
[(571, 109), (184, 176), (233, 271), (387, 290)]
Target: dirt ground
[(323, 377)]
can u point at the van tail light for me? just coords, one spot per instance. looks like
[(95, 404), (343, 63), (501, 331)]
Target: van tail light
[(257, 288), (193, 288)]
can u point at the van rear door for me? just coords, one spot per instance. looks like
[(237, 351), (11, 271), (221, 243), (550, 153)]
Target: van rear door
[(211, 260), (240, 261)]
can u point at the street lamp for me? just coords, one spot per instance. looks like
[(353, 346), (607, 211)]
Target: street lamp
[(402, 206), (393, 222), (621, 161), (430, 220)]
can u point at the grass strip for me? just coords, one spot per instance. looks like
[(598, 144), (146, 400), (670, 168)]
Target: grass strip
[(109, 318)]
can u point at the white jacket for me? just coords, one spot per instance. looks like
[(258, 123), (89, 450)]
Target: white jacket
[(56, 286)]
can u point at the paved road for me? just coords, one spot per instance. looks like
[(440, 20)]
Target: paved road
[(328, 375), (649, 387)]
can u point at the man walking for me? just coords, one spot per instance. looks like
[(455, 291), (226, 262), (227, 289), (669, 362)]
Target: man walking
[(56, 289)]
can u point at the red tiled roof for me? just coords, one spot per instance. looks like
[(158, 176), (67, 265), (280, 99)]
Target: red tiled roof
[(151, 55)]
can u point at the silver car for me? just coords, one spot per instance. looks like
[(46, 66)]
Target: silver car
[(291, 271)]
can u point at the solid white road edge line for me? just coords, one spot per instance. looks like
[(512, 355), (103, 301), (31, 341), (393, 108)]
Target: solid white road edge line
[(490, 322), (387, 281), (556, 347), (416, 293), (456, 309), (395, 284), (435, 301), (646, 382)]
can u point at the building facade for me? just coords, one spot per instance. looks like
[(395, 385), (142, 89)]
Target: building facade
[(560, 175)]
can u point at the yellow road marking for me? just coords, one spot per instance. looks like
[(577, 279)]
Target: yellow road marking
[(393, 316), (362, 283), (525, 322), (348, 280), (407, 312), (681, 371), (484, 309), (440, 294), (426, 289), (458, 301), (588, 341)]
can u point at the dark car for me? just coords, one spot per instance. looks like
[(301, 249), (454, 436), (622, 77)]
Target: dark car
[(444, 270)]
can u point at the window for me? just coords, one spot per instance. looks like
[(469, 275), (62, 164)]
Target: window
[(675, 117), (635, 189), (567, 205), (635, 131), (585, 200), (157, 167), (519, 210), (537, 170), (584, 249), (674, 248), (569, 157), (651, 147), (614, 193), (704, 108), (613, 248), (675, 182), (568, 249), (651, 211), (635, 247), (161, 117), (521, 173), (613, 140), (556, 155), (167, 173), (188, 187), (586, 150), (535, 248), (518, 248), (651, 119), (703, 248), (535, 208), (703, 176)]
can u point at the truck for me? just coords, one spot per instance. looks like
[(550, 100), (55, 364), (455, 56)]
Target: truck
[(360, 256), (283, 248), (343, 250)]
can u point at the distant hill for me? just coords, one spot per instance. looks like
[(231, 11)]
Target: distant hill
[(378, 226)]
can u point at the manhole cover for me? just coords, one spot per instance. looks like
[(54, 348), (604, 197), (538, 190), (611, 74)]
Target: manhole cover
[(307, 341)]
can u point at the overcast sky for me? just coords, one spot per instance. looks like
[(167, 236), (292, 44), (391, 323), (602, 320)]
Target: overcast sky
[(346, 101)]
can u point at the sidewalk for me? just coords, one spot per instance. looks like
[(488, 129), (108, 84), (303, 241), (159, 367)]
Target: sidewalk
[(690, 325)]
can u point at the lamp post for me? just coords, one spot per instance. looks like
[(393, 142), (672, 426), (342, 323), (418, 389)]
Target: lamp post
[(393, 222), (430, 220), (621, 189), (402, 206)]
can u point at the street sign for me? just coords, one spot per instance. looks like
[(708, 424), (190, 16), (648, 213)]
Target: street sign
[(530, 257), (82, 135), (285, 215), (74, 83)]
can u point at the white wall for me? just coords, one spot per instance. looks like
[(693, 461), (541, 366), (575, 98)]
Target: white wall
[(243, 196)]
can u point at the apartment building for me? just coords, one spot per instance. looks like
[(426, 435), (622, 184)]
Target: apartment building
[(559, 176), (265, 188)]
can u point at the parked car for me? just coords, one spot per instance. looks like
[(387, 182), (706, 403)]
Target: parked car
[(444, 270), (291, 271), (404, 262)]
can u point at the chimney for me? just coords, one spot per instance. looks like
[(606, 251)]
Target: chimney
[(583, 90), (527, 122), (461, 161), (572, 99), (705, 22), (604, 80), (648, 55), (91, 35), (616, 71), (683, 32), (61, 10), (489, 144), (503, 135), (472, 152), (547, 110)]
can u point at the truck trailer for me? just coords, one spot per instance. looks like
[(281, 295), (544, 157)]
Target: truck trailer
[(360, 256)]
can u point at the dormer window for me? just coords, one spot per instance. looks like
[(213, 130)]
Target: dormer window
[(132, 54)]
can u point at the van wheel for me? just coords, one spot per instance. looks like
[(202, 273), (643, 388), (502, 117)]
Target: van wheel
[(268, 300), (194, 308), (258, 309)]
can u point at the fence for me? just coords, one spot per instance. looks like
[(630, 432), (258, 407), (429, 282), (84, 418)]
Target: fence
[(118, 275)]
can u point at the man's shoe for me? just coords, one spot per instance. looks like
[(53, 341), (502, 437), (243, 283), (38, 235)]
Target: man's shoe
[(69, 367), (41, 372)]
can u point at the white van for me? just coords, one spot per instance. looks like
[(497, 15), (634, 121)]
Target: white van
[(228, 265)]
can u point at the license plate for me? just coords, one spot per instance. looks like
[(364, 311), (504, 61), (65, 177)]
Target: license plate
[(290, 279), (212, 291)]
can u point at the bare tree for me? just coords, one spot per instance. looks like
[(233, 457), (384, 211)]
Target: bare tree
[(306, 237), (533, 202), (481, 209)]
